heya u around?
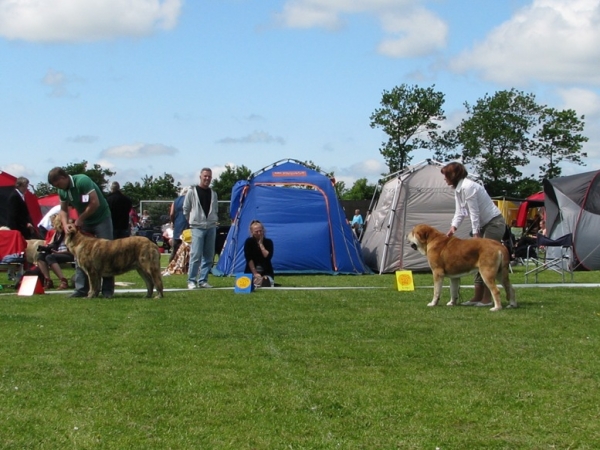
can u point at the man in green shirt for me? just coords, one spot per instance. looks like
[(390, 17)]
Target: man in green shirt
[(94, 218)]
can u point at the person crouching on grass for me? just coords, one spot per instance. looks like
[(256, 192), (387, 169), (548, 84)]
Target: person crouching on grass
[(258, 251)]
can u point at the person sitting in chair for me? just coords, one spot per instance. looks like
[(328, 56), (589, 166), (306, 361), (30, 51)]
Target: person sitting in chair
[(258, 251), (521, 247), (53, 255)]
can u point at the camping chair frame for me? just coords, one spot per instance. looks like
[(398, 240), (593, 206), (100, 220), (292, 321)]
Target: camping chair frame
[(560, 263)]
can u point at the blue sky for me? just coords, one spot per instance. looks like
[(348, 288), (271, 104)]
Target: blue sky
[(147, 87)]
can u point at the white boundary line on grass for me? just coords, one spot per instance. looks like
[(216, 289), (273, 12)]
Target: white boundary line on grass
[(281, 288), (547, 285)]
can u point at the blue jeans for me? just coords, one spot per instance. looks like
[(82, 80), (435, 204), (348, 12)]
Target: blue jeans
[(82, 285), (202, 254)]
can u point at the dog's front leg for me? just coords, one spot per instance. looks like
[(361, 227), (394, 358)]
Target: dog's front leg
[(438, 281), (454, 291)]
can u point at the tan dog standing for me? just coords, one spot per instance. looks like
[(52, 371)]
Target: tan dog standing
[(103, 258), (453, 257)]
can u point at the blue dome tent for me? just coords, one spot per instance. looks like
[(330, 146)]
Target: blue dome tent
[(301, 214)]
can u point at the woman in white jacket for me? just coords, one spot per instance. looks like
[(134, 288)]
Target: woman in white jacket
[(471, 200)]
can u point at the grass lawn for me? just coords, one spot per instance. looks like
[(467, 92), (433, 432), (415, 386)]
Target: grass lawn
[(301, 369)]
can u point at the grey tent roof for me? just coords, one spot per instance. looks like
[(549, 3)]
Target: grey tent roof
[(572, 205), (418, 194)]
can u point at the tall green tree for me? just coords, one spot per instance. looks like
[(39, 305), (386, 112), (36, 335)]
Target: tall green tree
[(408, 115), (557, 139), (500, 134), (98, 175), (42, 189), (494, 139), (360, 190), (150, 188), (340, 189), (224, 183), (525, 187)]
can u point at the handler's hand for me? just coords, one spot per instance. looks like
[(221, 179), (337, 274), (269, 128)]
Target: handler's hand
[(451, 231), (71, 227)]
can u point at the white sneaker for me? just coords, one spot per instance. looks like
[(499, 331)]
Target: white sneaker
[(192, 285), (205, 285)]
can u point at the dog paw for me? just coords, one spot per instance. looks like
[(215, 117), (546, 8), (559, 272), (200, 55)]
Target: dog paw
[(512, 306), (496, 308), (451, 303), (432, 303)]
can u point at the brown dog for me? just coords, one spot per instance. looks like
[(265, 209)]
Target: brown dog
[(453, 257), (103, 258)]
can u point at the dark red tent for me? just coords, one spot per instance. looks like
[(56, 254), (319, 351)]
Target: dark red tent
[(7, 186), (533, 201)]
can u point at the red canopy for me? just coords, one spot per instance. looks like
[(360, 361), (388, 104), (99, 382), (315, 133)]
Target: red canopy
[(533, 201), (47, 202)]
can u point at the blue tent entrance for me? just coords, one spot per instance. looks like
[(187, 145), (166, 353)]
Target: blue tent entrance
[(301, 214)]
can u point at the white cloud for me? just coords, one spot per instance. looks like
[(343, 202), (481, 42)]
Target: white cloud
[(89, 20), (58, 82), (587, 103), (402, 22), (138, 151), (371, 169), (583, 101), (106, 164), (83, 139), (549, 41), (257, 137), (406, 37), (18, 170)]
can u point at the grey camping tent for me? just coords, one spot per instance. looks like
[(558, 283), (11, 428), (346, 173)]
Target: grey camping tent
[(572, 205), (417, 194)]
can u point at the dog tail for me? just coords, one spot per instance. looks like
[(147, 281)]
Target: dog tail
[(503, 259)]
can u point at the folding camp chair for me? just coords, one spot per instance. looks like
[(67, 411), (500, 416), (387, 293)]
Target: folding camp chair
[(552, 254)]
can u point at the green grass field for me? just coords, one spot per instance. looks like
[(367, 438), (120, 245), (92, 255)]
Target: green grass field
[(301, 368)]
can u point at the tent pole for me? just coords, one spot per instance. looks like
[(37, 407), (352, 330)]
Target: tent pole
[(388, 232)]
